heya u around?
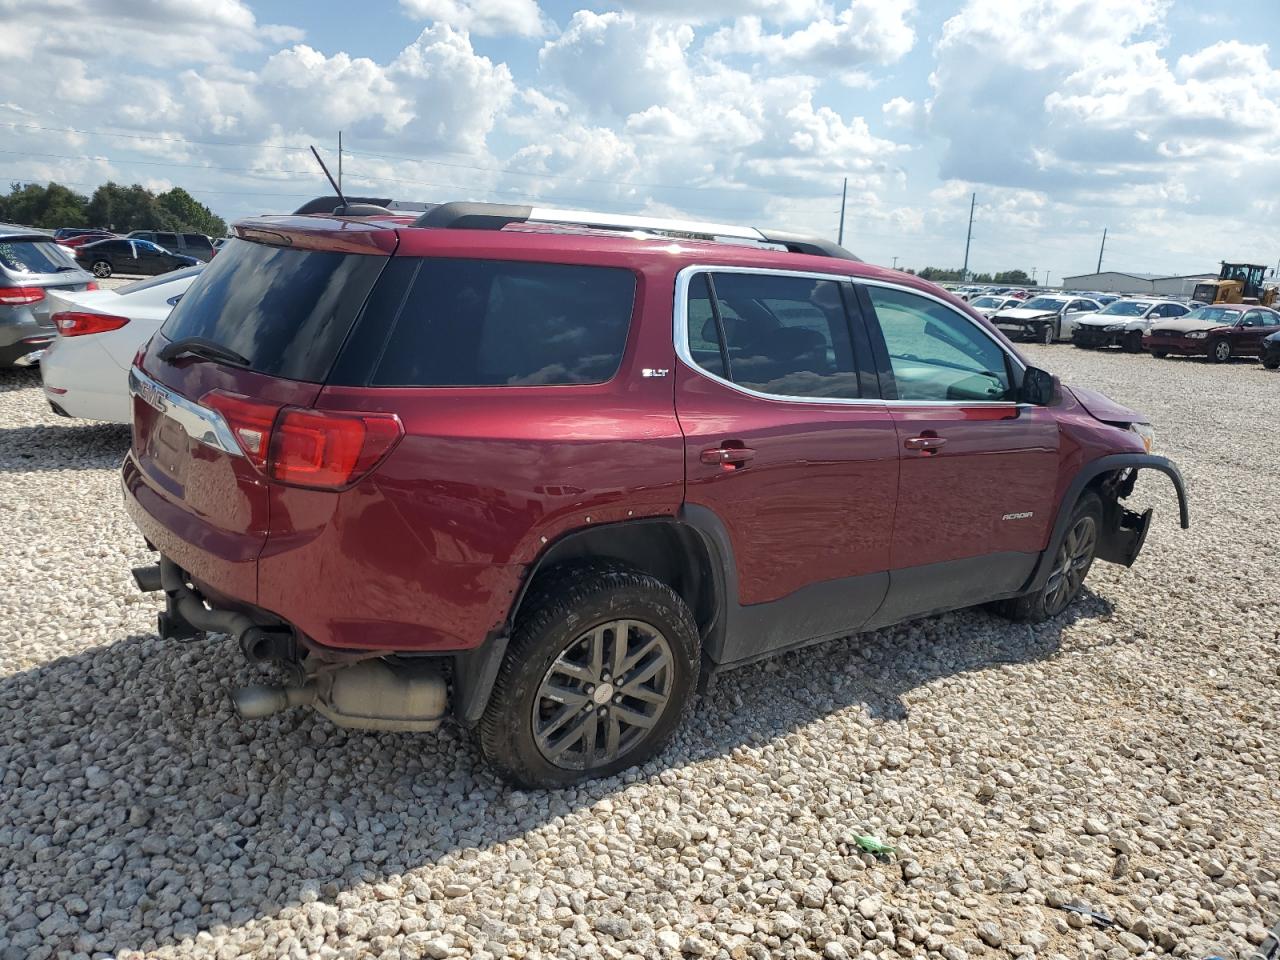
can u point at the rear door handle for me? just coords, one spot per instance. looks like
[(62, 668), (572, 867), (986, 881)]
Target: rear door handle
[(924, 443), (727, 456)]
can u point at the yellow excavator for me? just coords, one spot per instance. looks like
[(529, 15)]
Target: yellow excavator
[(1237, 283)]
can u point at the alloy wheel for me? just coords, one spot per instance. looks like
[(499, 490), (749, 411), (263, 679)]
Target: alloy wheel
[(102, 269), (1071, 564), (603, 695), (1222, 351)]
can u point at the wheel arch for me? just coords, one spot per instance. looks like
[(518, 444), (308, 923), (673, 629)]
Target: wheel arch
[(1124, 531), (671, 549)]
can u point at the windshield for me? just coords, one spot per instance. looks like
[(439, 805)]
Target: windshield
[(1214, 315), (1044, 303), (1125, 308), (34, 256), (988, 302)]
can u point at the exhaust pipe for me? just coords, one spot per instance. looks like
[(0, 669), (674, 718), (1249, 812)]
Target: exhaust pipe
[(257, 702), (148, 578)]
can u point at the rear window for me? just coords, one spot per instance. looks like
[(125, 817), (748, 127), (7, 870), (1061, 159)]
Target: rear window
[(34, 256), (196, 240), (287, 311), (470, 323)]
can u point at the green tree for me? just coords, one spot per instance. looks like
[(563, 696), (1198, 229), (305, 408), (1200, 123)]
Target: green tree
[(123, 209), (191, 214), (49, 206), (1013, 276)]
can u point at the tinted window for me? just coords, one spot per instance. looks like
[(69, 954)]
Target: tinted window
[(196, 240), (33, 256), (286, 310), (937, 354), (468, 323), (704, 340), (783, 335), (169, 240)]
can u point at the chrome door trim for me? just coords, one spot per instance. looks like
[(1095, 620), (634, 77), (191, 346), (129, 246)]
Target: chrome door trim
[(680, 313), (199, 423)]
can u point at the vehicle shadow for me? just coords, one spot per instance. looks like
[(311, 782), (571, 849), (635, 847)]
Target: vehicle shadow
[(18, 378), (72, 445), (132, 787)]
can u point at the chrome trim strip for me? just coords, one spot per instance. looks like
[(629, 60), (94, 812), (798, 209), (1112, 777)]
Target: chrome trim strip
[(681, 332), (200, 423)]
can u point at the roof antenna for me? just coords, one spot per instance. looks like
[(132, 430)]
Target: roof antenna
[(336, 189)]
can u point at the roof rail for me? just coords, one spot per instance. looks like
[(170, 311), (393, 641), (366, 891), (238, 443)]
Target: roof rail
[(460, 215), (330, 205)]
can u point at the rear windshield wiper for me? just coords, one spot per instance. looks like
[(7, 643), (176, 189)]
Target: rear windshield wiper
[(205, 349)]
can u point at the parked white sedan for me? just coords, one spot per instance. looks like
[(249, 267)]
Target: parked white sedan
[(86, 368)]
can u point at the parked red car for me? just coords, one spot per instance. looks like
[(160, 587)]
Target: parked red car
[(1219, 331), (554, 469)]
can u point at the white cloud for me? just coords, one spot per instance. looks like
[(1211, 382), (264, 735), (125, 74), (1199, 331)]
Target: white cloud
[(901, 113), (709, 11), (484, 17), (866, 31), (157, 33)]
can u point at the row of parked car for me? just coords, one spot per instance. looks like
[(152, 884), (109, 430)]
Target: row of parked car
[(145, 252), (1160, 326)]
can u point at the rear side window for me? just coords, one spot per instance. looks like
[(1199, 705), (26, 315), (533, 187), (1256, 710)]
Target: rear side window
[(783, 335), (287, 311), (472, 323), (33, 256), (197, 241)]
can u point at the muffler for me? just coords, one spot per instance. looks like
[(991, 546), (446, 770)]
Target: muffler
[(369, 695)]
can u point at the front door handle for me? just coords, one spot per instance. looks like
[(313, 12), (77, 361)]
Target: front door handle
[(727, 456), (927, 444)]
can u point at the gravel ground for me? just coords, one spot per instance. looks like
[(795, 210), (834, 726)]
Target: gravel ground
[(1123, 758)]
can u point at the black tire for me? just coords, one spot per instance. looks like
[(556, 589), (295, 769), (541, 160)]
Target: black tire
[(1159, 354), (1046, 334), (101, 269), (1131, 342), (567, 608), (1271, 361), (1220, 350), (1069, 568)]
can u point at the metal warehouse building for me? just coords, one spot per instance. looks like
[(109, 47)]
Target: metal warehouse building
[(1111, 282)]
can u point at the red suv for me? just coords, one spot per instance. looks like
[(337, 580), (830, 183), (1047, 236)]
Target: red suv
[(552, 470)]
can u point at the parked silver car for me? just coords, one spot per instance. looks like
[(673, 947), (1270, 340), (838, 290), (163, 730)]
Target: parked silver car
[(1123, 323), (1044, 319), (31, 265)]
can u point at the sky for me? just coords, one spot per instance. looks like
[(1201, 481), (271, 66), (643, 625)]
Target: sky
[(1157, 120)]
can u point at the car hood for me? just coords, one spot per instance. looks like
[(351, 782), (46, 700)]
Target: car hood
[(1182, 325), (1102, 407), (1022, 313)]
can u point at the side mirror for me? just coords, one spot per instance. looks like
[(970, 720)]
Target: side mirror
[(1039, 387)]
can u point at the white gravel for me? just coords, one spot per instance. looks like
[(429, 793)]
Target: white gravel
[(1124, 758)]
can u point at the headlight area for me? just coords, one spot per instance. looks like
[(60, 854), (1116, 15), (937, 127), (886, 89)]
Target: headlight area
[(1146, 432), (1196, 334)]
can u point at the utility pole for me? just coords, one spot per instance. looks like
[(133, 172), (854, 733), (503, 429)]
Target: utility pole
[(964, 273), (895, 263), (1046, 278), (339, 160), (1101, 248), (1033, 275), (844, 195)]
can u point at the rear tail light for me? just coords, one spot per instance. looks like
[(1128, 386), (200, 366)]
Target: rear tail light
[(75, 324), (316, 448), (91, 285), (17, 296), (250, 422), (321, 449)]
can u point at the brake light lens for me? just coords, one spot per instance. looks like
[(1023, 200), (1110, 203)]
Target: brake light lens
[(328, 450), (250, 422), (91, 285), (19, 296), (321, 449), (76, 324)]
